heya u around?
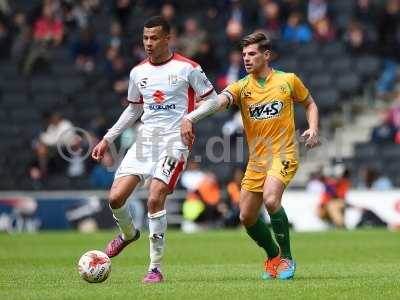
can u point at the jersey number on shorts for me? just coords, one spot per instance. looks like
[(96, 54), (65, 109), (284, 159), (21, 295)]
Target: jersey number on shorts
[(169, 165), (285, 167)]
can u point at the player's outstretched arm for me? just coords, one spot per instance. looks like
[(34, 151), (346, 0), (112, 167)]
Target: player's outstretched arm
[(311, 134), (127, 119), (207, 108)]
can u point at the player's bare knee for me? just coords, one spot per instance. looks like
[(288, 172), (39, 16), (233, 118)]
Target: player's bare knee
[(247, 219), (116, 199), (272, 202)]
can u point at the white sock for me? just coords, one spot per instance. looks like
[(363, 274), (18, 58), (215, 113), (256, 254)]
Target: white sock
[(157, 228), (124, 221)]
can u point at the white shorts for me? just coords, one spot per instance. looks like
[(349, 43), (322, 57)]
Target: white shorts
[(146, 160)]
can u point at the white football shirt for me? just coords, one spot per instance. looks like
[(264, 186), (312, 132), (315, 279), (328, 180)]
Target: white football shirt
[(167, 92)]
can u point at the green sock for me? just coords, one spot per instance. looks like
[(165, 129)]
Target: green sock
[(261, 234), (280, 226)]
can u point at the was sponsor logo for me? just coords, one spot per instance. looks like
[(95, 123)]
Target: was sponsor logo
[(265, 111)]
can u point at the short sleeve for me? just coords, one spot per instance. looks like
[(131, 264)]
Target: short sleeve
[(200, 83), (134, 95), (232, 92), (300, 93)]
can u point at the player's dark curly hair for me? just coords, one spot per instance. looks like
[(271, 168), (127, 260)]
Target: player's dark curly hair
[(264, 43), (158, 21)]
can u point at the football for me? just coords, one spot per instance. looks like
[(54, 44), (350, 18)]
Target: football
[(94, 266)]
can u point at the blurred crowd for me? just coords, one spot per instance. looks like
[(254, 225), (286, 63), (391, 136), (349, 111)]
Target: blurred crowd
[(209, 36), (111, 46)]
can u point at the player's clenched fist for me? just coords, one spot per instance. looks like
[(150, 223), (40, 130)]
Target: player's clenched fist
[(311, 138), (187, 131), (100, 149)]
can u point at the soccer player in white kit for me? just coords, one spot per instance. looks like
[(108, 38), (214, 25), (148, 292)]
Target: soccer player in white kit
[(161, 92)]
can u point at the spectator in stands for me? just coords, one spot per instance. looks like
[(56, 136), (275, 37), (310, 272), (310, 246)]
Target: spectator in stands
[(99, 127), (122, 10), (371, 179), (394, 117), (271, 21), (212, 20), (324, 31), (169, 14), (48, 28), (48, 31), (191, 38), (290, 6), (316, 182), (356, 40), (316, 11), (84, 51), (234, 32), (209, 193), (22, 39), (389, 44), (234, 126), (231, 72), (119, 76), (102, 175), (115, 39), (4, 8), (206, 58), (192, 176), (333, 199), (230, 210), (5, 39), (385, 131), (60, 134), (296, 31), (365, 13), (237, 11), (75, 15)]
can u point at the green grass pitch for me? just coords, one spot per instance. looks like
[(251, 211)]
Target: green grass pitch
[(212, 265)]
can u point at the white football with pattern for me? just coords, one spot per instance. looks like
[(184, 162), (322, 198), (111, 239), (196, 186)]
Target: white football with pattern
[(94, 266)]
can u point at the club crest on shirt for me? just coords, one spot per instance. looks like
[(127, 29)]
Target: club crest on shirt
[(283, 89), (264, 111), (173, 79)]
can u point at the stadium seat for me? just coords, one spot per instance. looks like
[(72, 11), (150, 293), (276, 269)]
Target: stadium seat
[(300, 117), (340, 65), (287, 64), (70, 85), (64, 69), (13, 84), (44, 84), (47, 101), (348, 83), (331, 50), (320, 81), (391, 152), (313, 65), (368, 66), (327, 99), (13, 100), (23, 115), (307, 51), (8, 130), (366, 150)]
